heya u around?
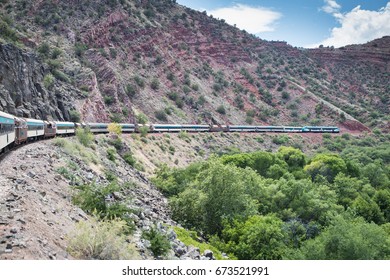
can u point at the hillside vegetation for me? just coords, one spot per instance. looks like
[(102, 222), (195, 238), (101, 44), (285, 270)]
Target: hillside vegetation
[(284, 205), (157, 61)]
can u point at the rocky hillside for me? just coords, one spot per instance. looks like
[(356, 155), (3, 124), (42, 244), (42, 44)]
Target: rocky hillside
[(38, 216), (134, 61)]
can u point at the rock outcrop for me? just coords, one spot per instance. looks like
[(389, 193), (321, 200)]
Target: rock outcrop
[(22, 91)]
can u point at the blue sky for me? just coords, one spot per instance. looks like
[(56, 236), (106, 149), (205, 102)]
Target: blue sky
[(304, 23)]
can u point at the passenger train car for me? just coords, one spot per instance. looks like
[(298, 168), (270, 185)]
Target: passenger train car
[(35, 128), (65, 128), (16, 131), (7, 131)]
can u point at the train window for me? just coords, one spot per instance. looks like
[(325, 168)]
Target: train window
[(6, 128), (65, 127)]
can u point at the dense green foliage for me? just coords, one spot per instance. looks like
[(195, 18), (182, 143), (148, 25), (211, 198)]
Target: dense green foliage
[(159, 243), (285, 205)]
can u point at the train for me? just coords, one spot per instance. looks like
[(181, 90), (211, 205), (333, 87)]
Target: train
[(16, 131)]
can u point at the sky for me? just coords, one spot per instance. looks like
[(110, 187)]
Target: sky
[(304, 23)]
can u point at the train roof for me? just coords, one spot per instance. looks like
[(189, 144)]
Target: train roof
[(64, 123), (94, 124), (7, 118), (195, 125), (333, 127), (5, 115), (35, 121), (130, 124), (165, 125)]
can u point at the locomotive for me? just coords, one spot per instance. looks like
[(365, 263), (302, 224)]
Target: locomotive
[(16, 131)]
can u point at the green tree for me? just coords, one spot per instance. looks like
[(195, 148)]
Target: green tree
[(187, 208), (142, 118), (364, 206), (347, 238), (382, 199), (159, 243), (294, 158), (258, 238), (227, 197), (327, 165)]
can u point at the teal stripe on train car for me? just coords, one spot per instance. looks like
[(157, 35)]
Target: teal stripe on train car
[(65, 124), (7, 120), (35, 123)]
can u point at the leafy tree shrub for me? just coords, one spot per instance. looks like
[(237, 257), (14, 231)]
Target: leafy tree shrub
[(221, 109), (285, 95), (48, 81), (161, 115), (293, 157), (92, 198), (281, 139), (80, 49), (139, 81), (159, 243), (155, 84), (6, 31), (129, 158), (61, 76), (143, 130), (84, 136), (258, 238), (365, 207), (187, 207), (114, 128), (111, 154), (327, 165), (108, 100), (131, 90), (347, 239), (116, 117), (44, 49), (142, 118)]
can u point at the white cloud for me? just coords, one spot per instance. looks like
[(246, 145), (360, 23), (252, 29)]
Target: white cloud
[(253, 19), (332, 7), (357, 26)]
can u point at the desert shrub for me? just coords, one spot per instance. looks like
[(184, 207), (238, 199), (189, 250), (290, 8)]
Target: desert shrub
[(48, 81), (74, 116), (84, 136), (108, 100), (144, 130), (59, 142), (139, 81), (142, 118), (117, 143), (111, 154), (61, 76), (101, 240), (129, 158), (161, 115), (6, 31), (131, 90), (44, 49), (155, 84), (114, 128), (221, 109), (159, 243), (282, 139)]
